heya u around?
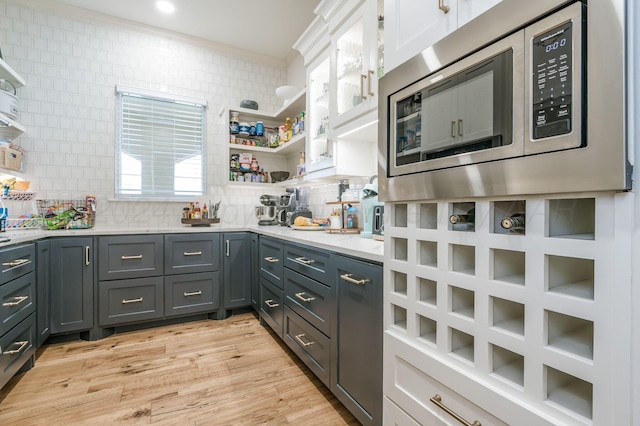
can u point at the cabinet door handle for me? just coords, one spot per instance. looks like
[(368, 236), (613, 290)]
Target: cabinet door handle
[(442, 6), (86, 255), (17, 262), (127, 301), (270, 303), (22, 344), (362, 77), (437, 399), (136, 256), (453, 129), (271, 259), (347, 278), (18, 300), (192, 253), (459, 127), (228, 248), (192, 293), (299, 337), (304, 260), (371, 74), (304, 299)]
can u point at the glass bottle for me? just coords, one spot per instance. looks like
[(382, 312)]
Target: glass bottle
[(515, 222), (205, 212)]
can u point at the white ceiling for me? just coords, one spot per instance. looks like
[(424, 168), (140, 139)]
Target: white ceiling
[(268, 27)]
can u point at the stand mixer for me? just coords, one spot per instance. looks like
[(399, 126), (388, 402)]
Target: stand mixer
[(267, 211)]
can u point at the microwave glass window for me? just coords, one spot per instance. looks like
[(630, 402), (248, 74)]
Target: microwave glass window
[(552, 85), (465, 112)]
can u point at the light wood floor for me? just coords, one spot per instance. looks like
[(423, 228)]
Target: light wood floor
[(230, 372)]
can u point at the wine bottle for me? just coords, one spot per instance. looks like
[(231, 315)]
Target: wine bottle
[(468, 217), (513, 222)]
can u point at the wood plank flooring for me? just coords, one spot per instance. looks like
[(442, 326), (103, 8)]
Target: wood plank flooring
[(229, 372)]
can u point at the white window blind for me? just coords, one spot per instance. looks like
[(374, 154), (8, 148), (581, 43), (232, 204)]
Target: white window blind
[(160, 145)]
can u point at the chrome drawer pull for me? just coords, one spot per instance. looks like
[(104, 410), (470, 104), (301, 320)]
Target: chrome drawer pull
[(18, 300), (305, 299), (194, 253), (271, 259), (271, 304), (437, 399), (347, 278), (299, 337), (17, 262), (22, 344), (304, 260), (193, 293), (137, 256), (126, 301)]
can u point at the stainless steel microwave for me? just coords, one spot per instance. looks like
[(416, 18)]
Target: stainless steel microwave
[(511, 103)]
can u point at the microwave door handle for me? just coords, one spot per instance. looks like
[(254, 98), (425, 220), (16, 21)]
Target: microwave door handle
[(460, 127)]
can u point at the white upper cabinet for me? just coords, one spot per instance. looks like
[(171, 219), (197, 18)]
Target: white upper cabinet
[(410, 26), (9, 128)]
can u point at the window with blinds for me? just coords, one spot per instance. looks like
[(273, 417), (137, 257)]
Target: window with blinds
[(160, 145)]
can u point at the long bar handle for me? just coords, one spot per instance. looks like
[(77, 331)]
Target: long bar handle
[(17, 262), (304, 299), (453, 129), (192, 293), (460, 127), (271, 259), (299, 337), (127, 301), (437, 399), (362, 77), (271, 304), (18, 300), (136, 256), (371, 74), (304, 260), (192, 253), (86, 255), (443, 7), (347, 278), (22, 344), (227, 251)]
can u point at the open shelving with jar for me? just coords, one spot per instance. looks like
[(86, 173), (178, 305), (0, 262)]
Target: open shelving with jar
[(284, 157), (9, 128)]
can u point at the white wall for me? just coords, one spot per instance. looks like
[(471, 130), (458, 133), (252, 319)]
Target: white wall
[(72, 65)]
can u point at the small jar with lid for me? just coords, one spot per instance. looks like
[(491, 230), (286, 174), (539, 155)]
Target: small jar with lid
[(234, 122), (259, 128)]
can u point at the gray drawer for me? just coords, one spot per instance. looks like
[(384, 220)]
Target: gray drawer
[(271, 260), (17, 301), (313, 301), (311, 346), (130, 256), (16, 347), (271, 305), (126, 301), (309, 261), (16, 261), (187, 253), (191, 293)]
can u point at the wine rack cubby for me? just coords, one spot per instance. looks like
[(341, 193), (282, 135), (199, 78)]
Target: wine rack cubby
[(521, 309)]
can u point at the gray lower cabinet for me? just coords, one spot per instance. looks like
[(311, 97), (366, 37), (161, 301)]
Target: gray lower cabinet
[(71, 284), (271, 306), (271, 259), (130, 256), (356, 364), (236, 266), (17, 310), (191, 293), (271, 276), (126, 301), (43, 291)]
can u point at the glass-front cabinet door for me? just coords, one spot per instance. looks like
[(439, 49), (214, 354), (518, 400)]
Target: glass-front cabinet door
[(319, 149)]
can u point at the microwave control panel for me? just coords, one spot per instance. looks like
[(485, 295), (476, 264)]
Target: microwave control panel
[(552, 82)]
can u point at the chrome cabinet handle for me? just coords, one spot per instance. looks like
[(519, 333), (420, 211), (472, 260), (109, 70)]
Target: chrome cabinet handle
[(371, 74), (18, 300), (17, 262), (437, 399), (271, 259), (86, 255), (453, 129), (442, 6), (127, 301), (304, 260), (192, 253), (362, 77), (228, 248), (270, 303), (459, 127), (22, 344), (347, 278), (299, 337), (192, 293), (304, 299), (137, 256)]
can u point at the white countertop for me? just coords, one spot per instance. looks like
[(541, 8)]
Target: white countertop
[(349, 244)]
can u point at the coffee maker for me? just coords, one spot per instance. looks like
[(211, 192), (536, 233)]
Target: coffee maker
[(298, 205), (267, 211)]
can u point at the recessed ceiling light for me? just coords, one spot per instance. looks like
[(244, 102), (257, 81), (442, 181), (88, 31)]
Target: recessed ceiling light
[(165, 6)]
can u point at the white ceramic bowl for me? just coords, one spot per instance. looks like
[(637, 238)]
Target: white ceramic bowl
[(284, 93)]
